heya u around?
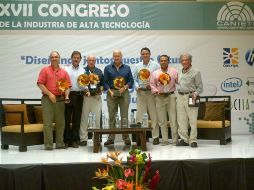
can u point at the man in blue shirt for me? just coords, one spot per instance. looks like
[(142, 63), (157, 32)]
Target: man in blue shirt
[(118, 78)]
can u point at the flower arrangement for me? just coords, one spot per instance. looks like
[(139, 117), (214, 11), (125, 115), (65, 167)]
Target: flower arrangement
[(136, 175)]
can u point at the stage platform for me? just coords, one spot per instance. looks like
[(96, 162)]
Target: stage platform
[(211, 166)]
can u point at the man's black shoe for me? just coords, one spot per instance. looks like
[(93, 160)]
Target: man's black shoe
[(68, 144), (194, 145), (127, 142), (74, 145), (156, 141), (61, 146), (83, 143), (182, 143), (108, 142)]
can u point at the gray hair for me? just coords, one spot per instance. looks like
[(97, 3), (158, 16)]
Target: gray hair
[(54, 52), (186, 55)]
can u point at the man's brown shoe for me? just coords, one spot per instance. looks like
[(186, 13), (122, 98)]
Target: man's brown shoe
[(156, 141), (83, 143), (182, 143), (108, 142), (127, 142)]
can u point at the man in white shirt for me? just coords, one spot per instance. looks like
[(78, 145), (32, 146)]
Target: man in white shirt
[(74, 108)]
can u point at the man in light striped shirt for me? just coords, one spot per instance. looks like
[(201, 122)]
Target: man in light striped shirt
[(145, 99), (190, 85), (163, 84)]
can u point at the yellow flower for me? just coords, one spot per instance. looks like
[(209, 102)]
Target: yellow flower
[(101, 173), (104, 160), (109, 187), (118, 162), (114, 155), (133, 176)]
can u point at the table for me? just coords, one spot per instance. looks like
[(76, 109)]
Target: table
[(139, 131)]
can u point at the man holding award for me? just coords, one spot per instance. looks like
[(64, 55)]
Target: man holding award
[(145, 99), (163, 83), (118, 79), (92, 97), (74, 108), (190, 85), (55, 84)]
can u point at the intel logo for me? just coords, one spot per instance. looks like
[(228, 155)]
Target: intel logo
[(232, 84)]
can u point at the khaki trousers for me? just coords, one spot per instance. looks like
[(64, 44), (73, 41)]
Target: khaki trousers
[(53, 112), (146, 103), (164, 106), (90, 104), (113, 103), (186, 116)]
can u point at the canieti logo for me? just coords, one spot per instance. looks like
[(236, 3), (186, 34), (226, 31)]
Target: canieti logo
[(249, 57), (235, 16), (230, 57), (232, 84)]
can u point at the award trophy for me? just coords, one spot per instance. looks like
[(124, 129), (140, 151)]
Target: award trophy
[(62, 85), (143, 81), (164, 80), (94, 81), (83, 80), (118, 84), (193, 103)]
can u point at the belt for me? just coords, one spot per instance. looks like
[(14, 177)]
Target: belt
[(183, 93), (94, 94), (59, 96), (166, 93), (144, 89), (77, 92)]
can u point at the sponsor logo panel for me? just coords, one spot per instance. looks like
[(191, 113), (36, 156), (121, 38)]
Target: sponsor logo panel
[(230, 57), (235, 16), (249, 57), (232, 84)]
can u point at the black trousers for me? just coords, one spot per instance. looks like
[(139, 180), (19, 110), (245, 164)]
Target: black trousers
[(72, 117)]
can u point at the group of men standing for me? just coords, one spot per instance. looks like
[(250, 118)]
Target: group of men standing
[(69, 105)]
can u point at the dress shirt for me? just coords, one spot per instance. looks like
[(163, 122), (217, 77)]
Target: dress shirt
[(151, 66), (49, 78), (110, 73), (74, 73), (190, 81), (157, 87)]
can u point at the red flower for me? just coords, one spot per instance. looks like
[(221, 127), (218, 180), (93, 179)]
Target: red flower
[(120, 184), (155, 180), (128, 172), (133, 159), (148, 167)]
